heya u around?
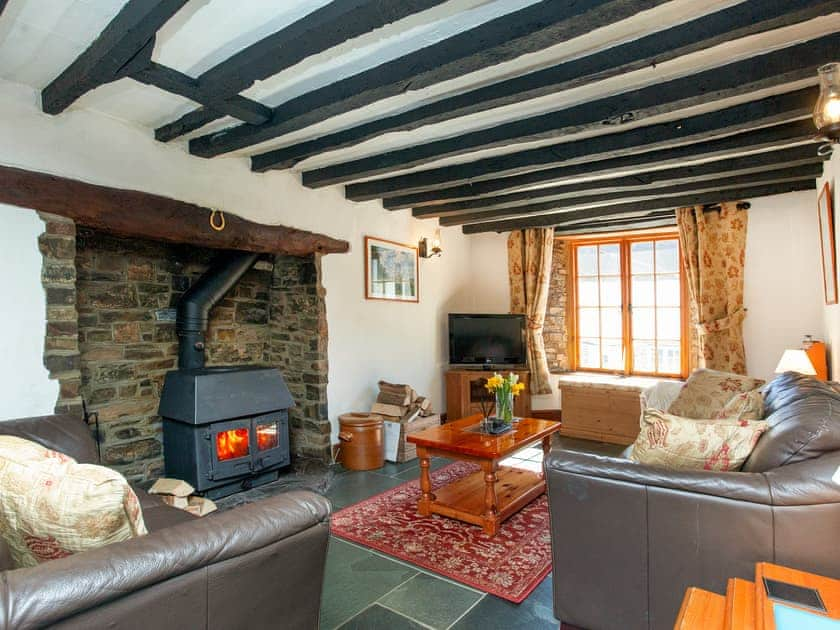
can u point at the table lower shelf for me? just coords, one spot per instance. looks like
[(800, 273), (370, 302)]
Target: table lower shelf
[(465, 499)]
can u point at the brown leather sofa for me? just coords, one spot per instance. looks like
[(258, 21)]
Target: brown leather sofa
[(628, 539), (256, 566)]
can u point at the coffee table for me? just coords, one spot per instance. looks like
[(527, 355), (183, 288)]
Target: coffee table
[(492, 494)]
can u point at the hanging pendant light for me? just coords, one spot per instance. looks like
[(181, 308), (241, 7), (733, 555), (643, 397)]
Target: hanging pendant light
[(827, 110)]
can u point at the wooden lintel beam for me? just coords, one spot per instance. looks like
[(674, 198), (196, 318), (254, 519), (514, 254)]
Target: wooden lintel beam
[(770, 70), (743, 19), (131, 213), (784, 159), (766, 111), (127, 34), (318, 31), (663, 203), (722, 183), (776, 137), (530, 29)]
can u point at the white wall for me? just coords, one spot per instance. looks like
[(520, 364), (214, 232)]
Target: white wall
[(831, 314), (369, 340), (783, 290), (25, 388)]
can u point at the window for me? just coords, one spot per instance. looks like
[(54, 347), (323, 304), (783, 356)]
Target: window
[(628, 313)]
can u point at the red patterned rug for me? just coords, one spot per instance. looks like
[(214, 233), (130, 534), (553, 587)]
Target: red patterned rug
[(509, 565)]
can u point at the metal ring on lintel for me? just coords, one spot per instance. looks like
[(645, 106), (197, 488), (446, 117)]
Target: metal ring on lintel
[(221, 223)]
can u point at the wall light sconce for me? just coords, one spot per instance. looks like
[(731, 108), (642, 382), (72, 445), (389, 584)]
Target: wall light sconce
[(430, 247), (827, 109)]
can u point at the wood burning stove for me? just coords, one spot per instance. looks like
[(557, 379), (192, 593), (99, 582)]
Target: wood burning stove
[(224, 428)]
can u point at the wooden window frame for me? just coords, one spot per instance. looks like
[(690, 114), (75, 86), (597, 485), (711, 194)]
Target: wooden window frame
[(624, 240)]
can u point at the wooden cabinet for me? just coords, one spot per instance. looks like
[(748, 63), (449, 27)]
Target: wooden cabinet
[(464, 388), (603, 413)]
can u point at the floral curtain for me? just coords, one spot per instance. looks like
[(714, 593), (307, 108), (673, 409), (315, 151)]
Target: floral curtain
[(529, 269), (713, 244)]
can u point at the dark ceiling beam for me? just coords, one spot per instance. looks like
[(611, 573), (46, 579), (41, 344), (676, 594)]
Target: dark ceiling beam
[(746, 18), (776, 137), (527, 30), (125, 36), (794, 157), (809, 171), (333, 24), (772, 69), (766, 111), (176, 82), (663, 203), (651, 220)]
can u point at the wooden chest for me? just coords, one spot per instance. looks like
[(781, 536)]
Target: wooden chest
[(600, 413)]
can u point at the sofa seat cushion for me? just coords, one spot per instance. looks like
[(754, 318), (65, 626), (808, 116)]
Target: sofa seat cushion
[(51, 506), (680, 443), (706, 393), (803, 422), (158, 515)]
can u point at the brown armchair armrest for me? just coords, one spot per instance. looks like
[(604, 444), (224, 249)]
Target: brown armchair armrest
[(42, 595)]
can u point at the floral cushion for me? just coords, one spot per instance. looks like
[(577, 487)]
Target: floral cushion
[(706, 393), (690, 444), (746, 406), (51, 506)]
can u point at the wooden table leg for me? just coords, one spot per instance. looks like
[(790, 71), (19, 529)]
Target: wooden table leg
[(546, 444), (491, 513), (424, 506)]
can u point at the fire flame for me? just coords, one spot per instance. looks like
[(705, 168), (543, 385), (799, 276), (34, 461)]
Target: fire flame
[(232, 444), (266, 436)]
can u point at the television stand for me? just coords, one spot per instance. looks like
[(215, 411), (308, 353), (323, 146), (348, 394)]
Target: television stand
[(464, 390)]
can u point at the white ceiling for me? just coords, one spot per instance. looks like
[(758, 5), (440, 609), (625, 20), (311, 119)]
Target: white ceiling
[(39, 38)]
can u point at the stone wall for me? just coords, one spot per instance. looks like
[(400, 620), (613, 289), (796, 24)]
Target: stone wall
[(555, 334), (110, 337), (299, 348)]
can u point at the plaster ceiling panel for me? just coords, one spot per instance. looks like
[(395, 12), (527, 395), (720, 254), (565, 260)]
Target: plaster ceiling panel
[(40, 38), (134, 102)]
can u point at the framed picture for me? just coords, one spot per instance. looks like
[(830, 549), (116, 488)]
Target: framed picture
[(826, 217), (391, 271)]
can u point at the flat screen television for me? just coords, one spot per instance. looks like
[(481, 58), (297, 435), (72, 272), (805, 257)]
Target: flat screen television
[(486, 339)]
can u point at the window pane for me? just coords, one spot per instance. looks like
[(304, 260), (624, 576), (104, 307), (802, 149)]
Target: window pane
[(668, 323), (613, 357), (611, 322), (609, 260), (642, 291), (588, 322), (669, 357), (587, 261), (589, 355), (588, 291), (668, 290), (611, 291), (644, 324), (643, 356), (641, 257), (667, 257)]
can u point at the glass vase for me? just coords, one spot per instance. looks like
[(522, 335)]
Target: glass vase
[(504, 407)]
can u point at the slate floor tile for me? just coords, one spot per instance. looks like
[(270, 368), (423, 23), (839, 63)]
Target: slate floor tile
[(492, 613), (378, 618), (354, 487), (354, 579), (432, 601)]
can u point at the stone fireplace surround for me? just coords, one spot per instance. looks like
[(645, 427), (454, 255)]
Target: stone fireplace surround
[(108, 343)]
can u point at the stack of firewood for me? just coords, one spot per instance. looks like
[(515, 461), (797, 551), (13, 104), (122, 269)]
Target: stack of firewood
[(400, 402)]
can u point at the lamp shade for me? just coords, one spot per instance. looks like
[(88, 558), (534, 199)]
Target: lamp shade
[(795, 361), (827, 110)]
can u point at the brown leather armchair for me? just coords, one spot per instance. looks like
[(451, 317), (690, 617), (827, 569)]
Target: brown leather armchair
[(628, 539), (256, 566)]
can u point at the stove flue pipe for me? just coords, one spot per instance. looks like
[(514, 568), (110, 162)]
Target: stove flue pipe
[(194, 307)]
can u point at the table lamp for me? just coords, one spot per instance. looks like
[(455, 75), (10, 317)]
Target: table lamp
[(796, 361)]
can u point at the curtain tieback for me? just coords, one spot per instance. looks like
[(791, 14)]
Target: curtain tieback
[(724, 323)]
